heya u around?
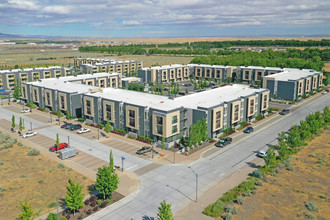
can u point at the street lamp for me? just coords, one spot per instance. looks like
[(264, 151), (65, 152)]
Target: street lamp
[(98, 133), (69, 141), (196, 181), (122, 164), (57, 206), (31, 125), (50, 114), (23, 124)]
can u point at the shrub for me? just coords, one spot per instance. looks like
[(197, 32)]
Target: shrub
[(108, 200), (217, 208), (86, 202), (247, 193), (93, 203), (1, 162), (253, 192), (80, 217), (93, 198), (99, 201), (228, 216), (257, 174), (239, 200), (89, 211), (95, 208), (2, 189), (277, 169), (309, 215), (311, 206), (60, 166), (52, 204), (25, 176), (34, 152), (259, 183), (41, 181), (103, 204), (81, 119), (87, 123), (230, 208), (19, 143)]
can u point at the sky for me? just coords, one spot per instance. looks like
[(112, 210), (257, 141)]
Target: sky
[(165, 18)]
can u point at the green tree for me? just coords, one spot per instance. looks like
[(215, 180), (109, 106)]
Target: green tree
[(74, 197), (111, 161), (17, 90), (68, 116), (27, 211), (107, 126), (57, 140), (163, 144), (106, 181), (165, 211), (270, 159), (9, 98), (30, 104), (13, 121), (20, 124), (197, 132)]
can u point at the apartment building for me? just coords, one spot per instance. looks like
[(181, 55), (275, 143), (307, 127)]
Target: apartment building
[(291, 84), (57, 95), (213, 72), (128, 80), (92, 65), (253, 74), (160, 117), (8, 78), (164, 74)]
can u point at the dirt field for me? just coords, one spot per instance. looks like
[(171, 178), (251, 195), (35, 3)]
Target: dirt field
[(35, 178), (285, 196), (31, 58), (327, 67)]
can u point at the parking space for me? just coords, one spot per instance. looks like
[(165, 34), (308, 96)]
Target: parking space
[(125, 147), (37, 116), (14, 108)]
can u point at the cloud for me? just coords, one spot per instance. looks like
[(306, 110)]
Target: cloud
[(188, 16)]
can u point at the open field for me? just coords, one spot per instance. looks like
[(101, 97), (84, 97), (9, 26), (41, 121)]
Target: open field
[(37, 179), (31, 58), (285, 196), (327, 67)]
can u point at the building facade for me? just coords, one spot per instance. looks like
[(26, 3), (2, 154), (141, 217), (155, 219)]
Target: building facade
[(213, 72), (292, 84), (164, 74), (8, 78)]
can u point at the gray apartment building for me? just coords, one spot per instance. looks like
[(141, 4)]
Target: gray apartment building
[(213, 72), (291, 84), (160, 117), (8, 78), (93, 65), (164, 74)]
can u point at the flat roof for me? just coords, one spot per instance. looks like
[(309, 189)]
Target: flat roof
[(292, 74), (37, 68), (165, 67), (68, 87), (130, 78), (208, 65), (204, 99)]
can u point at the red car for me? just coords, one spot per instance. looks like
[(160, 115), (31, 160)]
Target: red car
[(55, 148)]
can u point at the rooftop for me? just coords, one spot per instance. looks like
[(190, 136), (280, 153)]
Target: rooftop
[(292, 74), (165, 67), (63, 86), (130, 78), (214, 97)]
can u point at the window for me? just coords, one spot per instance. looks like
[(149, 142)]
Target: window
[(164, 75), (62, 102), (236, 110), (314, 82), (131, 118), (159, 125), (251, 106), (102, 83), (108, 111), (35, 95), (300, 88), (199, 72), (259, 75), (265, 102), (208, 73), (179, 73), (174, 119), (174, 129), (90, 83), (307, 84), (218, 74), (246, 75), (320, 80), (113, 83), (218, 119), (88, 107), (172, 74), (47, 98), (24, 92)]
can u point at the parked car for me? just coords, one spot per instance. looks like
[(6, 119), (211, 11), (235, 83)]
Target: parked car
[(143, 150), (68, 126), (83, 130), (324, 92), (224, 141), (55, 148), (25, 110), (262, 153), (75, 127), (284, 111), (29, 134), (65, 125), (248, 130)]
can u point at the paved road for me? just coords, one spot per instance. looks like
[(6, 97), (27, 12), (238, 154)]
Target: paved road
[(176, 183)]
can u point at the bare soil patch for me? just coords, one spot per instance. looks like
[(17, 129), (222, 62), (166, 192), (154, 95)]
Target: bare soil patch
[(285, 196), (37, 179)]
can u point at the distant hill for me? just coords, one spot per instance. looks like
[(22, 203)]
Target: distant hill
[(2, 35)]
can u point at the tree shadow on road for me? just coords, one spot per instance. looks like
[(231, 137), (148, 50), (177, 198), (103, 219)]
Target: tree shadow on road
[(253, 165), (147, 218)]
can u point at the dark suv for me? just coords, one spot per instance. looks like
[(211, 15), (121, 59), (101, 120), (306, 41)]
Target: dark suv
[(284, 111), (224, 141), (143, 150), (75, 127)]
